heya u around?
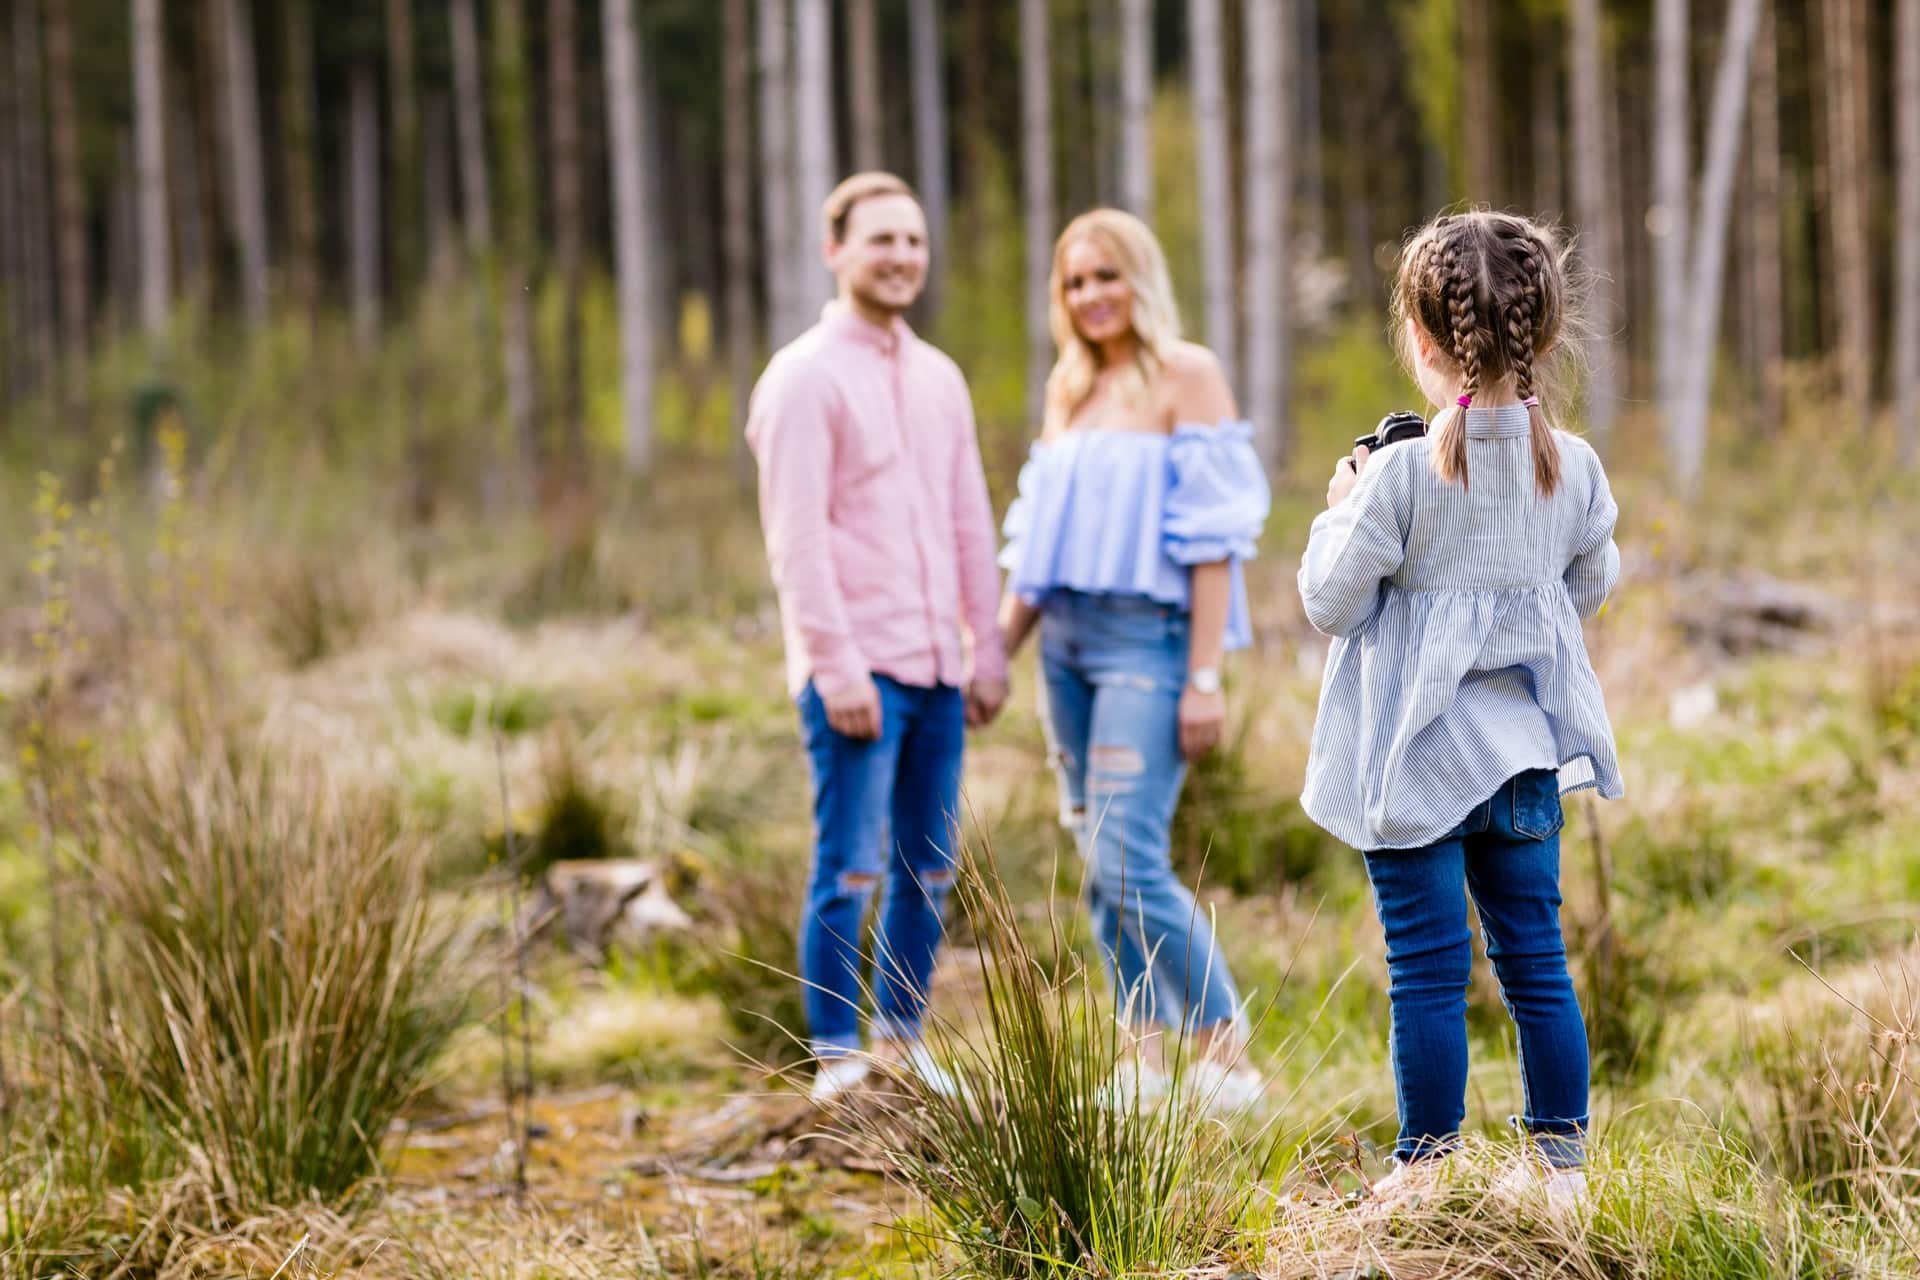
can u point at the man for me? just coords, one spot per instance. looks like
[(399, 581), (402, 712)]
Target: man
[(881, 541)]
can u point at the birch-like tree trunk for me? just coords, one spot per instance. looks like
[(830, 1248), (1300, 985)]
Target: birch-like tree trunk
[(150, 145), (1598, 253), (363, 202), (69, 197), (1906, 311), (625, 150), (1667, 220), (1136, 107), (736, 199), (863, 82), (930, 138), (1763, 259), (1267, 52), (779, 223), (246, 180), (513, 133), (1844, 87), (1212, 141), (814, 164), (1687, 433), (569, 231), (469, 111), (1036, 163), (298, 106)]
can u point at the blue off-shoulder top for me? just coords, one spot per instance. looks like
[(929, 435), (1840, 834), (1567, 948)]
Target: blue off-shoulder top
[(1128, 512)]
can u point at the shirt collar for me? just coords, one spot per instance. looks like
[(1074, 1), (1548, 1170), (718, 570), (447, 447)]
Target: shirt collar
[(1502, 420), (846, 324)]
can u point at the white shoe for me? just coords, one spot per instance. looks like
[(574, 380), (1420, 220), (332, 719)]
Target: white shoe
[(919, 1060), (1406, 1185), (1133, 1084), (1226, 1091), (1564, 1190), (834, 1076)]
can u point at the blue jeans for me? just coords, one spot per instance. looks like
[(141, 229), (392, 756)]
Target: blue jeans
[(1114, 668), (884, 811), (1507, 855)]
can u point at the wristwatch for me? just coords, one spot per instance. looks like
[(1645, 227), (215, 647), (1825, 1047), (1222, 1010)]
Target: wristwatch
[(1204, 679)]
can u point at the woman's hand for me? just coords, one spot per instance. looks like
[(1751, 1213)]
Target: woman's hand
[(1346, 474), (1201, 718)]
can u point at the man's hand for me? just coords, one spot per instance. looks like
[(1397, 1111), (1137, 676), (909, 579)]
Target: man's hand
[(1201, 716), (984, 700), (1346, 474), (854, 712)]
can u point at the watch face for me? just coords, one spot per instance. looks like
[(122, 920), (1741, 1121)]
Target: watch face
[(1205, 680)]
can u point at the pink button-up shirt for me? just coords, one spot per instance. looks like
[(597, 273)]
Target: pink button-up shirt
[(875, 509)]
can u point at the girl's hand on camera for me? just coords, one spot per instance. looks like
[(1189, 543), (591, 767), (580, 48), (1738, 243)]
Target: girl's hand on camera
[(1346, 474), (1201, 715)]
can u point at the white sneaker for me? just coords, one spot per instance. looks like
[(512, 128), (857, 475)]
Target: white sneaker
[(1563, 1190), (1226, 1091), (1133, 1084), (834, 1076), (918, 1059), (1406, 1185)]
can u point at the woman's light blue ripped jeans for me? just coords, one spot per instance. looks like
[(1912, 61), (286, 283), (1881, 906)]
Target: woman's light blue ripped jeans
[(1114, 667)]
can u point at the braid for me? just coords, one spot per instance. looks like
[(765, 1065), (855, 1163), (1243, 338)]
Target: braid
[(1522, 337), (1458, 287)]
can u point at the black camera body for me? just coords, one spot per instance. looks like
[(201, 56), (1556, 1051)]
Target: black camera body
[(1401, 424)]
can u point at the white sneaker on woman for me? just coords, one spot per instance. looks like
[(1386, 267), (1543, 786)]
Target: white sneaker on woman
[(1563, 1190), (832, 1077), (1226, 1091)]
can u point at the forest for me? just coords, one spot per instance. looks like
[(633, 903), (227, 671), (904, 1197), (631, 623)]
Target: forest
[(403, 820)]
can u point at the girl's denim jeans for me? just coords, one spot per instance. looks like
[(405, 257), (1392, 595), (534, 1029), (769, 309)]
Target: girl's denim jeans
[(1507, 855), (883, 811), (1114, 668)]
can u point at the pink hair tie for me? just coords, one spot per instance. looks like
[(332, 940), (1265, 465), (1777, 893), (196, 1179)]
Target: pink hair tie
[(1465, 401), (1531, 402)]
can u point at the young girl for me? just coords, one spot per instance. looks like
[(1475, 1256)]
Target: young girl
[(1458, 703)]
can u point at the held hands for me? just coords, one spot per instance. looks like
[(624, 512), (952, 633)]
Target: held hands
[(854, 712), (1346, 474), (984, 700), (1201, 716)]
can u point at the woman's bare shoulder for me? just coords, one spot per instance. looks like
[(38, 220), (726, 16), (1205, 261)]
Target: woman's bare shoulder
[(1196, 385)]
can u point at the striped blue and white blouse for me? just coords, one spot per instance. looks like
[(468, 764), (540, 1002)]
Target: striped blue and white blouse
[(1458, 659), (1118, 512)]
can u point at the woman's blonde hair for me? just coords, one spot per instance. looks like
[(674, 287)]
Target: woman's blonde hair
[(1490, 291), (1156, 316)]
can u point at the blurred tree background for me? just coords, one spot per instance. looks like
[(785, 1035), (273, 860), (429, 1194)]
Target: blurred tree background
[(497, 245)]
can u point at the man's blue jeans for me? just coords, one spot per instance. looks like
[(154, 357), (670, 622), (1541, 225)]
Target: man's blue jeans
[(1115, 666), (1507, 855), (884, 811)]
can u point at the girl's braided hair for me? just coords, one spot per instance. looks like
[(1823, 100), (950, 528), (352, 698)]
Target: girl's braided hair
[(1490, 291)]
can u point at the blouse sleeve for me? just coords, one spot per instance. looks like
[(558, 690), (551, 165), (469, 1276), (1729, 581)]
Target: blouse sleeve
[(1357, 545), (1595, 567), (1217, 496), (1018, 524)]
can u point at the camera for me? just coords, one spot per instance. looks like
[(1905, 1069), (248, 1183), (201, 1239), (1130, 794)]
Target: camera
[(1399, 425)]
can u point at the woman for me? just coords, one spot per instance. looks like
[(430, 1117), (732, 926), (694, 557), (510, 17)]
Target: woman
[(1139, 501)]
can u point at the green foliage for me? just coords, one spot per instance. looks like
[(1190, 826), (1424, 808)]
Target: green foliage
[(511, 709), (579, 818)]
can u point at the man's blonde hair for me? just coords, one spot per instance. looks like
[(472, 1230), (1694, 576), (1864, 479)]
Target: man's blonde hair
[(851, 191)]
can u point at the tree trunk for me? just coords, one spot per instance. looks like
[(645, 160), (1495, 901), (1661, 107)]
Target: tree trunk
[(193, 185), (1598, 253), (1687, 435), (814, 163), (1036, 157), (436, 169), (1906, 318), (930, 139), (404, 220), (1549, 132), (298, 132), (469, 109), (246, 185), (1476, 103), (863, 82), (36, 222), (363, 202), (1844, 84), (512, 128), (1213, 138), (69, 196), (563, 76), (1268, 130), (1310, 170), (779, 232), (1667, 220), (630, 233), (150, 141), (1136, 107), (736, 198), (1763, 261)]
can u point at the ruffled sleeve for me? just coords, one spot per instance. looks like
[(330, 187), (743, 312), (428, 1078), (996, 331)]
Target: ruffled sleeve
[(1217, 495), (1017, 527)]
